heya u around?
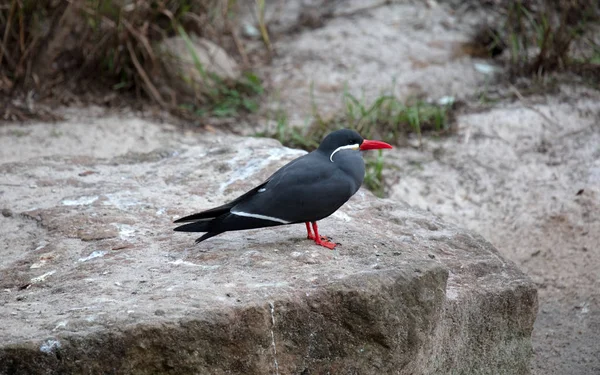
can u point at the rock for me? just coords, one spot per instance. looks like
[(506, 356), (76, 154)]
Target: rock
[(179, 63), (430, 298), (6, 212)]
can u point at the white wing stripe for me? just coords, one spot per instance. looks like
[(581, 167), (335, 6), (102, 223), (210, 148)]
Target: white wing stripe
[(262, 217), (347, 147)]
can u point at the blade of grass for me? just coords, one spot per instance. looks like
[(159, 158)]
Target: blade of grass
[(149, 85), (4, 50)]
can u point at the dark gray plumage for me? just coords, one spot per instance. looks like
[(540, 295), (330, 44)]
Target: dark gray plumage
[(307, 189)]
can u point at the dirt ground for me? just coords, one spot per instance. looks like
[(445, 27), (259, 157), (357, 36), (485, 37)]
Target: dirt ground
[(523, 173)]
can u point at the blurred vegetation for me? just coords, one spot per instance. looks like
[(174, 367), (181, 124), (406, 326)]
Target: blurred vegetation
[(544, 36), (66, 48), (374, 180), (385, 118)]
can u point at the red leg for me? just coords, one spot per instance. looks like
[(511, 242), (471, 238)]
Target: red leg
[(310, 236), (322, 241)]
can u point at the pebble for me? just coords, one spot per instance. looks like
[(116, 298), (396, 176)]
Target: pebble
[(6, 212)]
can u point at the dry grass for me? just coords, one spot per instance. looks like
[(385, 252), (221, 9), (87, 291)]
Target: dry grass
[(547, 35), (66, 48), (544, 36)]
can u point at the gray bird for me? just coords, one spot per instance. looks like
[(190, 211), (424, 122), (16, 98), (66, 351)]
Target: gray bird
[(305, 190)]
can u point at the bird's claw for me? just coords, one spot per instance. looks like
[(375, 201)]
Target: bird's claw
[(323, 241)]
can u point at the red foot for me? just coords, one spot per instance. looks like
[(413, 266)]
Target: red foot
[(319, 240), (327, 244), (310, 236)]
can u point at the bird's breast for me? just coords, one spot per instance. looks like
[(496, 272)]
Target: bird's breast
[(352, 164)]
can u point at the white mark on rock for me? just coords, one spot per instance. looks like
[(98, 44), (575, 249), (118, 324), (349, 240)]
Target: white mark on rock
[(61, 324), (484, 68), (278, 284), (121, 200), (584, 308), (50, 345), (342, 216), (39, 264), (272, 305), (41, 246), (446, 100), (161, 211), (94, 254), (451, 294), (80, 201), (190, 264), (79, 308), (125, 231), (41, 278)]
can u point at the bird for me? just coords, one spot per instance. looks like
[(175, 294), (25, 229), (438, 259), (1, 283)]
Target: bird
[(306, 190)]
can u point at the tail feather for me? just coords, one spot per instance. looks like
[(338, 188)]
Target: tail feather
[(206, 215), (206, 236), (218, 211), (198, 226)]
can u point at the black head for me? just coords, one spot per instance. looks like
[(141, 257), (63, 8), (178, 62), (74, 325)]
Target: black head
[(339, 138)]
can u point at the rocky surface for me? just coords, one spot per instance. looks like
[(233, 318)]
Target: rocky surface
[(179, 57), (93, 280)]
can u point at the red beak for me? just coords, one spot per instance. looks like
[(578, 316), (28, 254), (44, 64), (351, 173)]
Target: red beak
[(373, 145)]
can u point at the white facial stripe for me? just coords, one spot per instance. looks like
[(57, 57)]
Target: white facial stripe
[(262, 190), (262, 217), (347, 147)]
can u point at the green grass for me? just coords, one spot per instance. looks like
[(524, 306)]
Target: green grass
[(374, 174), (229, 100), (543, 34), (223, 99), (386, 118)]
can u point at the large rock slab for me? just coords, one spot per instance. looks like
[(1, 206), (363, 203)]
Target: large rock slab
[(93, 280)]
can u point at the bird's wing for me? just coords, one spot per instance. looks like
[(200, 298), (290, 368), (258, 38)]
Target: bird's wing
[(308, 189), (217, 211)]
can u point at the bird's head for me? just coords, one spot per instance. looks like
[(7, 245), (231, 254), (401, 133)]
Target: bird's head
[(347, 139)]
